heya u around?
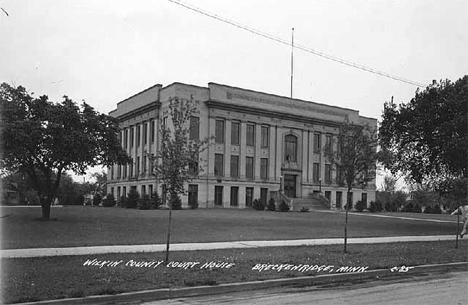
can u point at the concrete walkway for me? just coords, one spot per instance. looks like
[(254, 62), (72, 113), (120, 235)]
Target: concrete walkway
[(41, 252)]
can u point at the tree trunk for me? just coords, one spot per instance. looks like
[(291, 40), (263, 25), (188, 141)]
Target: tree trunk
[(45, 204), (169, 230), (346, 221)]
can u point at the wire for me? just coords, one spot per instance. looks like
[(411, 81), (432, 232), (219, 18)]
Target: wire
[(303, 48)]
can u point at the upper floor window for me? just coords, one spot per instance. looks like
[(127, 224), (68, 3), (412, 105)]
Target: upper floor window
[(219, 165), (317, 142), (219, 131), (329, 143), (235, 133), (194, 128), (145, 133), (250, 135), (290, 148), (265, 134), (249, 167), (132, 137), (153, 131), (138, 135)]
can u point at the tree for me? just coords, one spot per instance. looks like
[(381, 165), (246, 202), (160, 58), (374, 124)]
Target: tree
[(355, 160), (389, 184), (426, 139), (177, 161), (45, 138)]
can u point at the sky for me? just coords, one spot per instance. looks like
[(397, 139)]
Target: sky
[(105, 51)]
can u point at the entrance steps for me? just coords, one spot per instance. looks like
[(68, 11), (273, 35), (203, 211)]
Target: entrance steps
[(314, 203)]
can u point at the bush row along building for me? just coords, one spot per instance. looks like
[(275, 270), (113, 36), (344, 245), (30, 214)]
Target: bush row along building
[(263, 143)]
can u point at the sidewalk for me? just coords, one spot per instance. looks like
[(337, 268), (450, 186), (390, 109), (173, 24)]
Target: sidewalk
[(41, 252)]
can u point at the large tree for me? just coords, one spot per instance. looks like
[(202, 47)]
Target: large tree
[(355, 160), (426, 139), (178, 160), (45, 139)]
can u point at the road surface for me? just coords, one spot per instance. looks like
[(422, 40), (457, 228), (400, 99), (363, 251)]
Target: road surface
[(447, 289)]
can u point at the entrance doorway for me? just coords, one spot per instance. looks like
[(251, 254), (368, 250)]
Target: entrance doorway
[(290, 186)]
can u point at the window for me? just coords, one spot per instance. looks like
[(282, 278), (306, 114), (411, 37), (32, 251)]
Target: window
[(131, 168), (137, 173), (194, 128), (219, 165), (138, 135), (125, 171), (143, 190), (164, 122), (119, 171), (328, 195), (153, 131), (192, 194), (151, 163), (249, 196), (328, 143), (339, 175), (234, 196), (112, 191), (143, 166), (339, 146), (263, 168), (218, 195), (145, 133), (150, 190), (126, 138), (316, 172), (219, 132), (339, 196), (193, 166), (265, 134), (118, 193), (249, 167), (124, 191), (364, 197), (290, 148), (112, 171), (327, 173), (263, 195), (250, 135), (317, 143), (235, 133), (234, 166)]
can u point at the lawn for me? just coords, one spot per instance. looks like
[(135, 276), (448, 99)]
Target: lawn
[(34, 279), (91, 226)]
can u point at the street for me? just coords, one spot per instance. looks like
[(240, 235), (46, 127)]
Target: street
[(448, 288)]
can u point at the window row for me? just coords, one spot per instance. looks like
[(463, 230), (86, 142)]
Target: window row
[(235, 164), (134, 168), (236, 133), (134, 133), (234, 196)]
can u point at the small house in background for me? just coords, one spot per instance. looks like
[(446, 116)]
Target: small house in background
[(11, 194)]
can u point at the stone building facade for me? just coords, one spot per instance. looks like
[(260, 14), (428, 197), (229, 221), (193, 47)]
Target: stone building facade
[(263, 143)]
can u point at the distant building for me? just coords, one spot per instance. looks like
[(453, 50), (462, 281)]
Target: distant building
[(264, 143)]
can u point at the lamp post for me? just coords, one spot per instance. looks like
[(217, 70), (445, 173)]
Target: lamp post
[(281, 184)]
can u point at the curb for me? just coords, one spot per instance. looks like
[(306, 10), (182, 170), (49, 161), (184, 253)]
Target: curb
[(170, 293)]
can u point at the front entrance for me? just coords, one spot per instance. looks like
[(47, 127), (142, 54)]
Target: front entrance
[(290, 186)]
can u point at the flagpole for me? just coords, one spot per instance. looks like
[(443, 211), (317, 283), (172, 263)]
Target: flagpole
[(292, 60)]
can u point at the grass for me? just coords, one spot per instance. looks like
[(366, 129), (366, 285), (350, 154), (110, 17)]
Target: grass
[(46, 278), (92, 226)]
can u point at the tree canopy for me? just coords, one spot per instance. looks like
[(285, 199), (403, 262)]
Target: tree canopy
[(426, 139), (41, 137)]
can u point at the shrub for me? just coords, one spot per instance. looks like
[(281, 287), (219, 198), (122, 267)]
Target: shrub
[(144, 203), (193, 204), (283, 207), (258, 205), (417, 209), (176, 203), (123, 201), (391, 207), (109, 201), (271, 205), (304, 209), (132, 199), (155, 200), (375, 206), (97, 199), (436, 209), (428, 210), (361, 206)]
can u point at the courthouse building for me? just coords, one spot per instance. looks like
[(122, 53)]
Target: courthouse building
[(264, 146)]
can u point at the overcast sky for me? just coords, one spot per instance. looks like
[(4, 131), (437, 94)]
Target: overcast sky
[(106, 51)]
